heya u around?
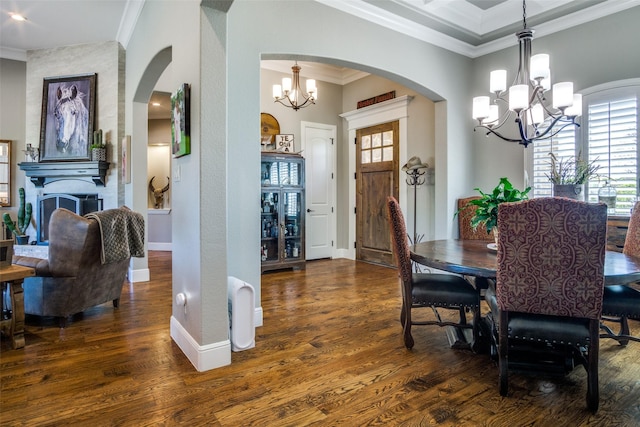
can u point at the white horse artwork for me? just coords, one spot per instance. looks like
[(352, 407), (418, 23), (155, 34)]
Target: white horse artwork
[(72, 121)]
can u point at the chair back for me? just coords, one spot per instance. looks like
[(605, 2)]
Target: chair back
[(465, 213), (551, 257), (399, 239), (632, 240)]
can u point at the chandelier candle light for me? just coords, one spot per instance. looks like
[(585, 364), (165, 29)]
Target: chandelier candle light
[(526, 97), (291, 95)]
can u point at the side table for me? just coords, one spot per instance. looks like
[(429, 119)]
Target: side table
[(12, 277)]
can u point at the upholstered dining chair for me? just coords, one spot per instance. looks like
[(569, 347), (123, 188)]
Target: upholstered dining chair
[(621, 302), (467, 232), (465, 213), (550, 281), (428, 290)]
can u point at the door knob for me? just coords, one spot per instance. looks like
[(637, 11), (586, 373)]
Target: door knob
[(309, 210)]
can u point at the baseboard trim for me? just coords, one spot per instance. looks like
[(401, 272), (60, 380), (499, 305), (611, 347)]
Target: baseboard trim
[(140, 275), (203, 358), (159, 246)]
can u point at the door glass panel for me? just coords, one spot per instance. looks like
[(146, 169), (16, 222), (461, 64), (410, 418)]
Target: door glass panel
[(366, 156), (366, 142), (387, 154), (269, 227), (292, 221), (376, 155), (387, 138), (376, 140)]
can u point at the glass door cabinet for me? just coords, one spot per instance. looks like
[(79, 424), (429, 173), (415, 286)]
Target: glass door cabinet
[(282, 211)]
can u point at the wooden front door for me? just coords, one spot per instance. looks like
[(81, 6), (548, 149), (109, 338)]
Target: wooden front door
[(376, 179)]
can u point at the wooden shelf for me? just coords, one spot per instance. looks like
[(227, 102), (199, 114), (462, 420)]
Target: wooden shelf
[(43, 173)]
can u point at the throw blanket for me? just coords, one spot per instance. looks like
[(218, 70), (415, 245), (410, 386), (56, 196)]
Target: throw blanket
[(122, 233)]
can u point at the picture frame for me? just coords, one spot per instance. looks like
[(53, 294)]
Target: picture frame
[(70, 99), (181, 121), (125, 159), (284, 143), (6, 252)]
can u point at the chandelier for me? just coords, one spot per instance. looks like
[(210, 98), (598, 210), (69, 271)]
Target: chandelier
[(525, 99), (291, 95)]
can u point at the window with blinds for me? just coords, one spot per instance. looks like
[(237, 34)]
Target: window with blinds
[(608, 136), (612, 134), (563, 145)]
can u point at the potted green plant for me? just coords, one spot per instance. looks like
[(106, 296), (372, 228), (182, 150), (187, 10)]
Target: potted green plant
[(98, 148), (19, 228), (568, 176), (487, 205)]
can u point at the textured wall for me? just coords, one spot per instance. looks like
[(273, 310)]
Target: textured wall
[(107, 61)]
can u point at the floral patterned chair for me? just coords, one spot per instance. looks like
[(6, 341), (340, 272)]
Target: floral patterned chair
[(435, 291), (622, 302), (550, 282)]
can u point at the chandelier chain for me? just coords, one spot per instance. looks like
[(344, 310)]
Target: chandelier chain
[(524, 14)]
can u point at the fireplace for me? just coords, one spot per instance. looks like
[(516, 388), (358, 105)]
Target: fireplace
[(81, 204)]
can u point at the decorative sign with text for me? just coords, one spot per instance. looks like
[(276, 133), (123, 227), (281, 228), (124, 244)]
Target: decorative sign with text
[(376, 99), (284, 142)]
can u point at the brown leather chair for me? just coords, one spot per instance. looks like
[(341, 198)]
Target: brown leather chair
[(429, 290), (74, 277), (549, 284)]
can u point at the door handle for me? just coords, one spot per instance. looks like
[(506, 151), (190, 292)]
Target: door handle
[(310, 210)]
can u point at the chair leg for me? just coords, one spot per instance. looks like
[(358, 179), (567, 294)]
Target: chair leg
[(406, 329), (463, 317), (593, 393), (116, 302), (624, 330), (62, 322), (503, 356)]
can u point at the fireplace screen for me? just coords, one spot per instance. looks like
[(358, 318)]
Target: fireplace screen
[(81, 204)]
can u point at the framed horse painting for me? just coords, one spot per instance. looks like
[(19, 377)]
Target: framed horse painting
[(68, 107)]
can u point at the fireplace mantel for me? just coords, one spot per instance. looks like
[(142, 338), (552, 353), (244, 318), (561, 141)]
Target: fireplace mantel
[(43, 173)]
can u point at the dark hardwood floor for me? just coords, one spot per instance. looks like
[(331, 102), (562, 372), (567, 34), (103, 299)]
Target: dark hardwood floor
[(330, 353)]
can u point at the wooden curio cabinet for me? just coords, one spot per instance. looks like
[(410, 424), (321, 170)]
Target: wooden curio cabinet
[(282, 211)]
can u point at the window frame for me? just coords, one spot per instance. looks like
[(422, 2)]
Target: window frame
[(601, 93)]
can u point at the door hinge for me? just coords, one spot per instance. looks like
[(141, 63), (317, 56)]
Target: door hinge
[(331, 141), (332, 243), (354, 245), (355, 140), (331, 175), (355, 175), (331, 209), (355, 210)]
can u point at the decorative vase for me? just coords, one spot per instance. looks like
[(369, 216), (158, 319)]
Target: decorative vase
[(570, 191), (607, 195), (99, 154)]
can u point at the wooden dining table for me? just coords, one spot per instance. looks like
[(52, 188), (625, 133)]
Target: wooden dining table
[(476, 258)]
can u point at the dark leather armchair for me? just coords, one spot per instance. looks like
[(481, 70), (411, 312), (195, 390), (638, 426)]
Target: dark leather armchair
[(549, 285), (74, 277), (429, 290)]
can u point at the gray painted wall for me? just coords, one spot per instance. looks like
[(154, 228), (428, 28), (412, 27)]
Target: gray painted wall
[(13, 85)]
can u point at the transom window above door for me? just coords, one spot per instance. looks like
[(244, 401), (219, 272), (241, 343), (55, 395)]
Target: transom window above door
[(377, 147)]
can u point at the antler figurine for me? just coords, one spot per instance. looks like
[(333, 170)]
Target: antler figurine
[(158, 194)]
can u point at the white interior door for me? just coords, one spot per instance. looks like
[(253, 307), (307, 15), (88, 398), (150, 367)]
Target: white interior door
[(319, 153)]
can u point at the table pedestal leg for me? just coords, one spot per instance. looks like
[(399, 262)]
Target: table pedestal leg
[(14, 327)]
